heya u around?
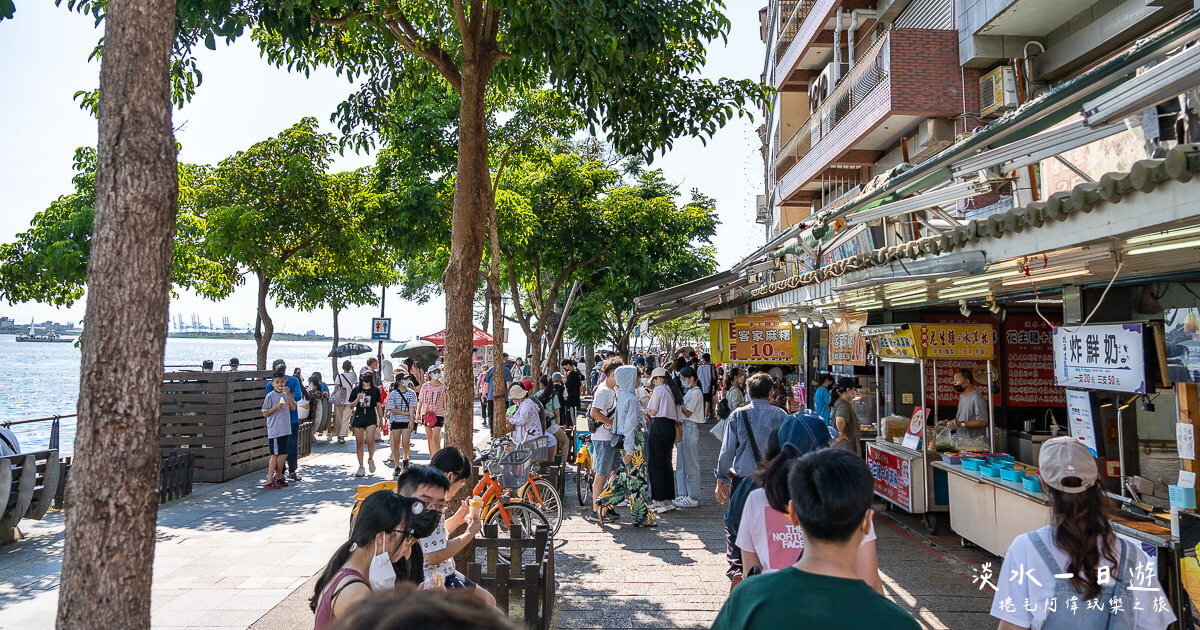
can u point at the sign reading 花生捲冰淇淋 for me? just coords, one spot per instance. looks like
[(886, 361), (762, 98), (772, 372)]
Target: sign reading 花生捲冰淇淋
[(1108, 357)]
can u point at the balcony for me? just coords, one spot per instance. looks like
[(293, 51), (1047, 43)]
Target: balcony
[(800, 30), (906, 76)]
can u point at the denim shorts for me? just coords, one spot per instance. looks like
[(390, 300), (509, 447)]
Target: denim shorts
[(604, 457)]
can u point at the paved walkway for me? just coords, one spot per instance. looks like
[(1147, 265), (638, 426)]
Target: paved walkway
[(622, 577), (235, 556), (226, 555)]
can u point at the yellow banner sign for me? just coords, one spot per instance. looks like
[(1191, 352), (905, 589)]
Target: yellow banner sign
[(953, 341), (898, 343), (768, 340)]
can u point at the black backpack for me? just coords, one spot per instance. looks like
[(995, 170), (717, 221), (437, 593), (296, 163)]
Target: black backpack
[(723, 409)]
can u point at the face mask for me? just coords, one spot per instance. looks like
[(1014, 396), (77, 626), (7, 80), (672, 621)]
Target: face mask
[(381, 574), (959, 388), (425, 523)]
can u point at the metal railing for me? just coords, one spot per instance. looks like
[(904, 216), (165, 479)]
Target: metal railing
[(793, 13), (54, 428), (848, 94)]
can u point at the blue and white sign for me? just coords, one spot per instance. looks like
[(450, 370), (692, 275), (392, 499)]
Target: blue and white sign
[(1108, 357), (381, 328)]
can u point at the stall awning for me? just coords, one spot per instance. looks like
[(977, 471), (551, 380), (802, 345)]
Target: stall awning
[(479, 338)]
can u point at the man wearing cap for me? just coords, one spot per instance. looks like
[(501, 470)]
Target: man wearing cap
[(234, 364), (293, 389), (1059, 562), (206, 365)]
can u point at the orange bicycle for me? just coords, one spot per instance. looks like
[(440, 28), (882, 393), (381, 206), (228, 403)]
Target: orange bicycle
[(513, 469)]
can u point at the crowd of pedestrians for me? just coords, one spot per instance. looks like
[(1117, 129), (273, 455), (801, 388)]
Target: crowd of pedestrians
[(800, 532)]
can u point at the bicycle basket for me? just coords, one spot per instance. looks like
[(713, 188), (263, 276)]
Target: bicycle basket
[(539, 447), (514, 468)]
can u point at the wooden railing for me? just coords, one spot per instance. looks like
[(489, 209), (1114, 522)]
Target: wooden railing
[(528, 571)]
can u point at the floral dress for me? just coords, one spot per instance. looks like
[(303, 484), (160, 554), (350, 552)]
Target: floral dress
[(631, 483)]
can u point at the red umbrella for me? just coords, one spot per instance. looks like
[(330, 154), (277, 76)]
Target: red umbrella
[(480, 338)]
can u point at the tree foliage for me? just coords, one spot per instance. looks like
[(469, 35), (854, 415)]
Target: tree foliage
[(48, 262), (657, 244), (269, 207)]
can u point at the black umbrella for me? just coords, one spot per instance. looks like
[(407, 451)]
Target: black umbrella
[(349, 350)]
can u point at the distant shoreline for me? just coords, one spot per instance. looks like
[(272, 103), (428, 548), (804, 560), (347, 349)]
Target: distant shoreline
[(20, 330)]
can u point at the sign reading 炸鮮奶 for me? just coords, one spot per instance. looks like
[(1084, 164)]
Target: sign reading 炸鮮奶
[(846, 343), (755, 340), (1109, 357), (893, 476)]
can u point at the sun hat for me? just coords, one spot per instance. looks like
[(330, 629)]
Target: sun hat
[(1067, 465), (516, 392), (659, 372), (805, 431)]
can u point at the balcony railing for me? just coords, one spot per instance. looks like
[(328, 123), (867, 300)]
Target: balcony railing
[(793, 13), (850, 91)]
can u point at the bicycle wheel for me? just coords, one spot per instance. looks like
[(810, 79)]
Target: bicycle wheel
[(583, 487), (520, 513), (546, 500)]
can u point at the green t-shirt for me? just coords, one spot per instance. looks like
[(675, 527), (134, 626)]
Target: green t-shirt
[(792, 598)]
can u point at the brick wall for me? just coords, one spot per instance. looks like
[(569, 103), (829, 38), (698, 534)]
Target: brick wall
[(926, 78)]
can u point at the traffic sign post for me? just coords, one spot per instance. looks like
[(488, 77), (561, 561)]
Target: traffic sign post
[(381, 328)]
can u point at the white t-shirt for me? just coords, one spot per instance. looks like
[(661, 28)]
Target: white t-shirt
[(605, 399), (1021, 602), (693, 401), (771, 534), (437, 541)]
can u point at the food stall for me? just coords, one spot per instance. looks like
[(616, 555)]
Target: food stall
[(902, 462)]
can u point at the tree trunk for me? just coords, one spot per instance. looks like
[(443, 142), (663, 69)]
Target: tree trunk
[(499, 419), (336, 338), (108, 552), (264, 328), (472, 192)]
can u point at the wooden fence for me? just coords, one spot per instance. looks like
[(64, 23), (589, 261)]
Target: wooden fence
[(178, 472), (527, 569), (217, 417)]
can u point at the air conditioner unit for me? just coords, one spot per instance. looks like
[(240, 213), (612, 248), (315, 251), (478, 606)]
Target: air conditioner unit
[(819, 88), (763, 211), (997, 92)]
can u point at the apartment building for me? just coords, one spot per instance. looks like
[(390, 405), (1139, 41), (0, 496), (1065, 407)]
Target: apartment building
[(866, 88)]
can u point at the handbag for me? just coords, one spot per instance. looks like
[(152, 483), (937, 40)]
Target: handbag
[(429, 418), (678, 431)]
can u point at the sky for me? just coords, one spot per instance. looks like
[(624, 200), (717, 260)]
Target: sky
[(242, 100)]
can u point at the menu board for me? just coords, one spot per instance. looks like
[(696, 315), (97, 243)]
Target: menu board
[(946, 367), (1108, 357), (846, 344), (1029, 363)]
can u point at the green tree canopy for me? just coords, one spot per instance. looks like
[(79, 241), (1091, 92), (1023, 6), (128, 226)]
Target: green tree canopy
[(270, 206), (658, 244), (48, 262)]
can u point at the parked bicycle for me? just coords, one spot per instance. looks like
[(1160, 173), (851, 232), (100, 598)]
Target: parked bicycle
[(584, 473), (505, 464)]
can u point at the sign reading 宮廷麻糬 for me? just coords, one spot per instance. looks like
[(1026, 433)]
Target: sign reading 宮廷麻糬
[(1108, 357)]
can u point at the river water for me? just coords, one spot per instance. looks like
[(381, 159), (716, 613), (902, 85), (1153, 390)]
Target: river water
[(44, 377)]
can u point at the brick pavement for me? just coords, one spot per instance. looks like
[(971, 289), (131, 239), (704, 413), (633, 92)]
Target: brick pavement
[(621, 577), (213, 568)]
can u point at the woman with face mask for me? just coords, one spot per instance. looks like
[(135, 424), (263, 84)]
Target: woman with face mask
[(378, 554), (367, 399)]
